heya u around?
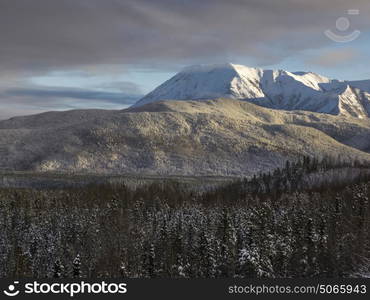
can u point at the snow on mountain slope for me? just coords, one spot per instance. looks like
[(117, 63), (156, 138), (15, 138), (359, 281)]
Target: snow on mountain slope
[(274, 89), (351, 102), (214, 137), (208, 82)]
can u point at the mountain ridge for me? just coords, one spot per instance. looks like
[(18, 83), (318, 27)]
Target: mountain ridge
[(277, 89), (215, 137)]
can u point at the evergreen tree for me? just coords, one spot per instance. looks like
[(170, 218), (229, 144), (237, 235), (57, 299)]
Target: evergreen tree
[(206, 255), (58, 269), (76, 270), (123, 270)]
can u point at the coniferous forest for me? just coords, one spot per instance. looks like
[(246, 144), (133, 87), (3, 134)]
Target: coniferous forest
[(310, 218)]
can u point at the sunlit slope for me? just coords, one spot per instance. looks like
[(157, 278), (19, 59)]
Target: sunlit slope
[(220, 137)]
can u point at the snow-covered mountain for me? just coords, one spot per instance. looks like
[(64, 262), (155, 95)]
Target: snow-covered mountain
[(222, 136), (274, 89)]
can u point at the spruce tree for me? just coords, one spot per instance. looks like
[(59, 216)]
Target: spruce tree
[(58, 269), (77, 267)]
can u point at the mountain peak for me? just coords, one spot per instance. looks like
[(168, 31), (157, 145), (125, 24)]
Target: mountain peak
[(276, 89)]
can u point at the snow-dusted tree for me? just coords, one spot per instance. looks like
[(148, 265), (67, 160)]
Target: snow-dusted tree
[(76, 268), (227, 245), (123, 270), (206, 254), (58, 269), (149, 261)]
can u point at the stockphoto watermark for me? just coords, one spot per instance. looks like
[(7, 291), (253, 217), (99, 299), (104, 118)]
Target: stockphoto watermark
[(71, 289), (343, 33)]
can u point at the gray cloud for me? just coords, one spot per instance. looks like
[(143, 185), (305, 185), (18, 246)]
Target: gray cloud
[(24, 101), (42, 35), (119, 98), (123, 86), (336, 57)]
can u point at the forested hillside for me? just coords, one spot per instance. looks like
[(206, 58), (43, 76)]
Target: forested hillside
[(293, 222)]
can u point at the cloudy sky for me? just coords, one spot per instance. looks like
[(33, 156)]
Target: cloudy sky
[(65, 54)]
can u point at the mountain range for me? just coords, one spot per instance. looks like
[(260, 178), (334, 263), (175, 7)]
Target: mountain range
[(248, 121), (213, 137), (273, 89)]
